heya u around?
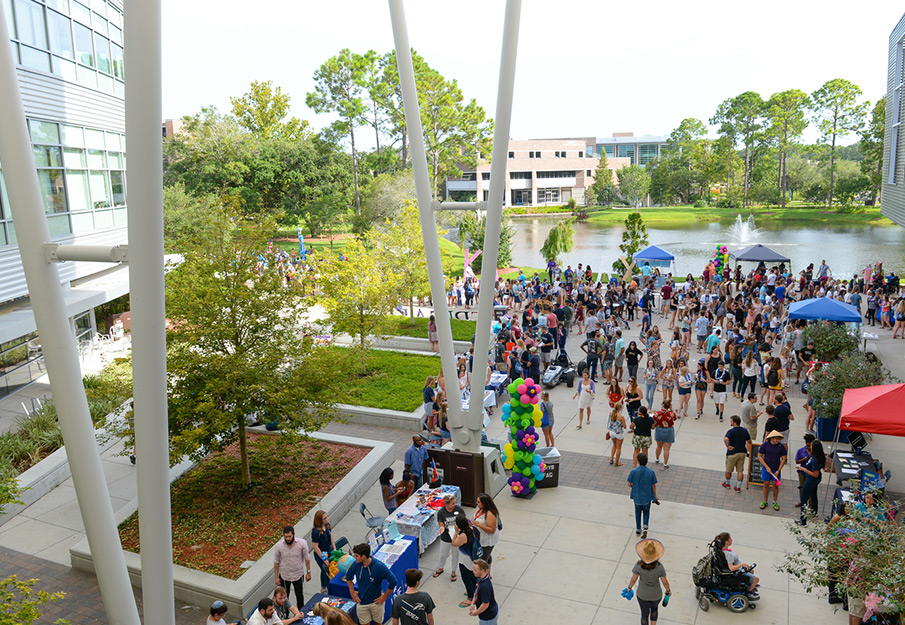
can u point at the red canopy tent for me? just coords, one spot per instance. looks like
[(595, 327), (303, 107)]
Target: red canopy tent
[(875, 409)]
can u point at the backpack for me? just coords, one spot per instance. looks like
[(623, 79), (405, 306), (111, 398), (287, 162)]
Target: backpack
[(772, 377), (702, 570)]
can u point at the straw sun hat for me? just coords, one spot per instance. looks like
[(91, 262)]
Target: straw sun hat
[(649, 550), (774, 434)]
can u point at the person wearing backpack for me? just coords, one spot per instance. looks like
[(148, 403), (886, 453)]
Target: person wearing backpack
[(467, 541)]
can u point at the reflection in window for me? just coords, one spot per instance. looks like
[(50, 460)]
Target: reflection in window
[(118, 182), (83, 46), (102, 45), (74, 157), (97, 159), (119, 68), (44, 132), (47, 156), (52, 190)]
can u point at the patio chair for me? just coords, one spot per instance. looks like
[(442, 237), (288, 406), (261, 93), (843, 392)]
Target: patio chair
[(374, 523)]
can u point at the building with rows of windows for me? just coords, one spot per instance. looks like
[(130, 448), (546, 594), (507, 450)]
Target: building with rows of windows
[(542, 172), (894, 142), (70, 71)]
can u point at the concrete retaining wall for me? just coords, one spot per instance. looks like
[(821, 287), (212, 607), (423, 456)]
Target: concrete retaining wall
[(201, 589), (407, 343)]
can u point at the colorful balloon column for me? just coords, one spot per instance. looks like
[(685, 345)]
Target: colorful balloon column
[(523, 416), (720, 257)]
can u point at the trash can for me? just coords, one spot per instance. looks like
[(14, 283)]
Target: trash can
[(826, 430), (551, 458)]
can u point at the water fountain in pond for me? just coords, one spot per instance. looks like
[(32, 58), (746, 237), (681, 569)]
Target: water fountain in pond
[(743, 231)]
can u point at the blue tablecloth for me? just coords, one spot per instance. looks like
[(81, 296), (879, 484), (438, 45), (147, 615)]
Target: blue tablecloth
[(497, 384), (343, 603), (399, 564)]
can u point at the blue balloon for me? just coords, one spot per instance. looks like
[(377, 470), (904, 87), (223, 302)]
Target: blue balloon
[(537, 459)]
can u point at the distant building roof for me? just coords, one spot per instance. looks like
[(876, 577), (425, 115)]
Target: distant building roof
[(640, 139)]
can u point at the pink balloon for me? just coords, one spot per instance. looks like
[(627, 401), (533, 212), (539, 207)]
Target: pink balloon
[(529, 381), (525, 399), (535, 399), (522, 389)]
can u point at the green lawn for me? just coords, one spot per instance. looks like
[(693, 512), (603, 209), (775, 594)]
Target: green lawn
[(394, 379), (403, 326), (681, 215)]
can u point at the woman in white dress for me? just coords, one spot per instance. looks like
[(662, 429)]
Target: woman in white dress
[(585, 394)]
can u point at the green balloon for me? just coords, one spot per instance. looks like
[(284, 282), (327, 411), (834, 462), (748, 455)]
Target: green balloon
[(526, 472)]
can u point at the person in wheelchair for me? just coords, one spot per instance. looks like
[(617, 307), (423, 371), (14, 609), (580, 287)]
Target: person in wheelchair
[(731, 568)]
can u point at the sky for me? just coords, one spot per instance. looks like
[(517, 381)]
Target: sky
[(585, 68)]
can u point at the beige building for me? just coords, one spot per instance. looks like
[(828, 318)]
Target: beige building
[(539, 172)]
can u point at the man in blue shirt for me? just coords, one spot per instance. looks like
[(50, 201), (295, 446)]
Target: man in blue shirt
[(415, 457), (643, 482), (369, 575)]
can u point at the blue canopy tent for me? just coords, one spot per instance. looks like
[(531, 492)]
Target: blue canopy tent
[(655, 256), (826, 309)]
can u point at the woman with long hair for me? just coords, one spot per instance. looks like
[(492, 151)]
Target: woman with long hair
[(665, 434), (614, 393), (486, 519), (684, 381), (668, 380), (432, 335), (899, 315), (632, 397), (700, 386), (750, 369), (585, 396), (388, 493), (615, 432), (735, 361), (429, 399), (322, 544), (331, 615), (813, 472)]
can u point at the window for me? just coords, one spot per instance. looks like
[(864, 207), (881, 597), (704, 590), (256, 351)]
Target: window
[(647, 152), (30, 23), (627, 150), (520, 175), (581, 155), (469, 176), (60, 29), (485, 175), (896, 113), (512, 155), (83, 45), (609, 149), (102, 46), (10, 21), (588, 173), (556, 174)]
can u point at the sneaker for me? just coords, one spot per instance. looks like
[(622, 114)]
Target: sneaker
[(737, 489), (763, 505), (637, 532), (644, 534), (665, 466), (697, 416), (775, 506), (727, 485), (657, 461), (721, 418), (753, 595)]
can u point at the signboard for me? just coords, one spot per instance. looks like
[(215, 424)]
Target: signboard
[(754, 466)]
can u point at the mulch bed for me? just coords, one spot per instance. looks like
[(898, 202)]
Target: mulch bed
[(217, 524)]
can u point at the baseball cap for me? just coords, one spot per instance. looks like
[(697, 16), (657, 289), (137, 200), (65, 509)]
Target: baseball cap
[(702, 361)]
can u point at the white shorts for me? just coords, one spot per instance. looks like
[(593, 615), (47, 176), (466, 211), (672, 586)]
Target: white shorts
[(719, 398)]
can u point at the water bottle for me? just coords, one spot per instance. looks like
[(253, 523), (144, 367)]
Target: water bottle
[(666, 599)]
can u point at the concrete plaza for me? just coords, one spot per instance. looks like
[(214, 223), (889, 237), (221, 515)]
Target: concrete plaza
[(565, 554)]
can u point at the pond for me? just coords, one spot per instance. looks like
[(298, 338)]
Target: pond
[(847, 249)]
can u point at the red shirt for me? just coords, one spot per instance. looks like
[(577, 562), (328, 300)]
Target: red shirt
[(666, 291), (664, 418)]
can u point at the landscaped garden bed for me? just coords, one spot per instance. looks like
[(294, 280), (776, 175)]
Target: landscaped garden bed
[(218, 525), (462, 330)]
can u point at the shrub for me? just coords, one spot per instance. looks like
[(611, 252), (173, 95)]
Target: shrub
[(854, 370), (700, 204), (830, 340)]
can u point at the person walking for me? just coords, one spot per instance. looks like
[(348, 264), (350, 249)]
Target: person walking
[(649, 573), (615, 432), (643, 484), (738, 446), (665, 434), (750, 369), (684, 381), (772, 455), (585, 395), (720, 378), (446, 517), (290, 558), (632, 358), (641, 428), (593, 349), (700, 387), (414, 606), (813, 471)]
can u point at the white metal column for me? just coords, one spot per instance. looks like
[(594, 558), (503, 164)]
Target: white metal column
[(144, 184), (58, 343), (465, 428)]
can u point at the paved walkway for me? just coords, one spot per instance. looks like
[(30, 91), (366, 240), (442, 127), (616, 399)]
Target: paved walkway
[(568, 550)]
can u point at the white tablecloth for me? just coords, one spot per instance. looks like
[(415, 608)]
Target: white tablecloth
[(421, 524)]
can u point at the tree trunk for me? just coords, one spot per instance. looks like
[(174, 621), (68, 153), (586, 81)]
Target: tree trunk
[(376, 129), (745, 196), (782, 177), (832, 166), (412, 308), (355, 169), (243, 454), (405, 149)]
